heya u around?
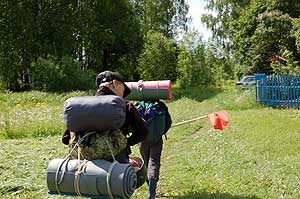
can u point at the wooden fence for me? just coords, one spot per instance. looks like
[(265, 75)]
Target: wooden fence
[(278, 90)]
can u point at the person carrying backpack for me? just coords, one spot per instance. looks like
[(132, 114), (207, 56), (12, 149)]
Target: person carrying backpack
[(132, 132), (158, 119)]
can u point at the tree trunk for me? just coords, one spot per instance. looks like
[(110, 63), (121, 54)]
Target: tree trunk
[(26, 62), (13, 85), (105, 59)]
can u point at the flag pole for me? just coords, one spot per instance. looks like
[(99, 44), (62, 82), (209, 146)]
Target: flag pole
[(188, 121)]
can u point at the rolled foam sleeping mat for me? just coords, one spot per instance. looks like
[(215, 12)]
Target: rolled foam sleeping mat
[(93, 179), (94, 113), (140, 169), (150, 90)]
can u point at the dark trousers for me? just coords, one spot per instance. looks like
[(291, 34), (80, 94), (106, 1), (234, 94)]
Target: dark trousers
[(151, 154)]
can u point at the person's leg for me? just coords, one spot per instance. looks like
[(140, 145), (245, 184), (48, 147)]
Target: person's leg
[(154, 167), (154, 160), (152, 188), (144, 148)]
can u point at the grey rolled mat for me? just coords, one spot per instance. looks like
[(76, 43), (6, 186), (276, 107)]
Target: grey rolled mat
[(94, 113), (93, 178)]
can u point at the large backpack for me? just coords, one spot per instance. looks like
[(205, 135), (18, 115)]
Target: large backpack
[(95, 120), (157, 117)]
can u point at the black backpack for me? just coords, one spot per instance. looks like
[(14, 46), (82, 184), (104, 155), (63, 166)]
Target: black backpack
[(157, 117)]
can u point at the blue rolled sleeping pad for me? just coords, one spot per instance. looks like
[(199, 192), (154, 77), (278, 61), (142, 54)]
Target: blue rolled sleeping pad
[(98, 178)]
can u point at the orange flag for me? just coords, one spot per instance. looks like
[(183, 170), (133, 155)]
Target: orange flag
[(219, 120)]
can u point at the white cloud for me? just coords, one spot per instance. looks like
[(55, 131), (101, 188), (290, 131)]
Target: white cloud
[(196, 9)]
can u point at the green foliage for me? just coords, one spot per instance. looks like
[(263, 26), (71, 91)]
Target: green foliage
[(30, 29), (158, 59), (201, 64), (254, 40), (100, 34), (192, 69), (110, 32), (296, 32), (272, 35), (257, 30), (227, 11), (288, 67), (9, 76), (168, 17), (61, 75), (222, 66), (57, 27)]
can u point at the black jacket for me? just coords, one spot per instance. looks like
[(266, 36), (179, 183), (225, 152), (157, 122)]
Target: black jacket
[(134, 124)]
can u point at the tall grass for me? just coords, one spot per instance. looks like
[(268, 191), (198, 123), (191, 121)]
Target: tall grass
[(256, 157), (40, 114), (32, 114)]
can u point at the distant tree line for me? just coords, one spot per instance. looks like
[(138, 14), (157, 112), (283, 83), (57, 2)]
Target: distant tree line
[(251, 31), (61, 44)]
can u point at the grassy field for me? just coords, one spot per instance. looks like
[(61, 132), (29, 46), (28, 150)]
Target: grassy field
[(256, 157)]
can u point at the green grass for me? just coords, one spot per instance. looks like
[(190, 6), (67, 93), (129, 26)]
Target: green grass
[(32, 114), (256, 157)]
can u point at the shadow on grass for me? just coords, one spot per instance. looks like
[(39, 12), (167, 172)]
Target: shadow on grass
[(198, 94), (206, 195)]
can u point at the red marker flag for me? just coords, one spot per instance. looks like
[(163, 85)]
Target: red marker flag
[(219, 119)]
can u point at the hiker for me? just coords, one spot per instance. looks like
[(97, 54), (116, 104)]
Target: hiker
[(112, 83), (94, 146), (151, 151)]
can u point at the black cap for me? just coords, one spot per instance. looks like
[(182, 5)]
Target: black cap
[(108, 76)]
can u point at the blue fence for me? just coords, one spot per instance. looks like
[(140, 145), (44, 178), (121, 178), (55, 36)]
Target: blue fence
[(278, 90)]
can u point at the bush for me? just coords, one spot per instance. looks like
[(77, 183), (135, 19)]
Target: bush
[(158, 59), (192, 69), (61, 75)]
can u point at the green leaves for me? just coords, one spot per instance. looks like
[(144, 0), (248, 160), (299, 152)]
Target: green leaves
[(167, 17), (61, 75), (158, 59), (257, 30)]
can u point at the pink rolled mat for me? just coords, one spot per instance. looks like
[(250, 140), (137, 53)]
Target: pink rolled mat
[(150, 90)]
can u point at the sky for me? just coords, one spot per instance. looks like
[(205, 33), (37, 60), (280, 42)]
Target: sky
[(196, 9)]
